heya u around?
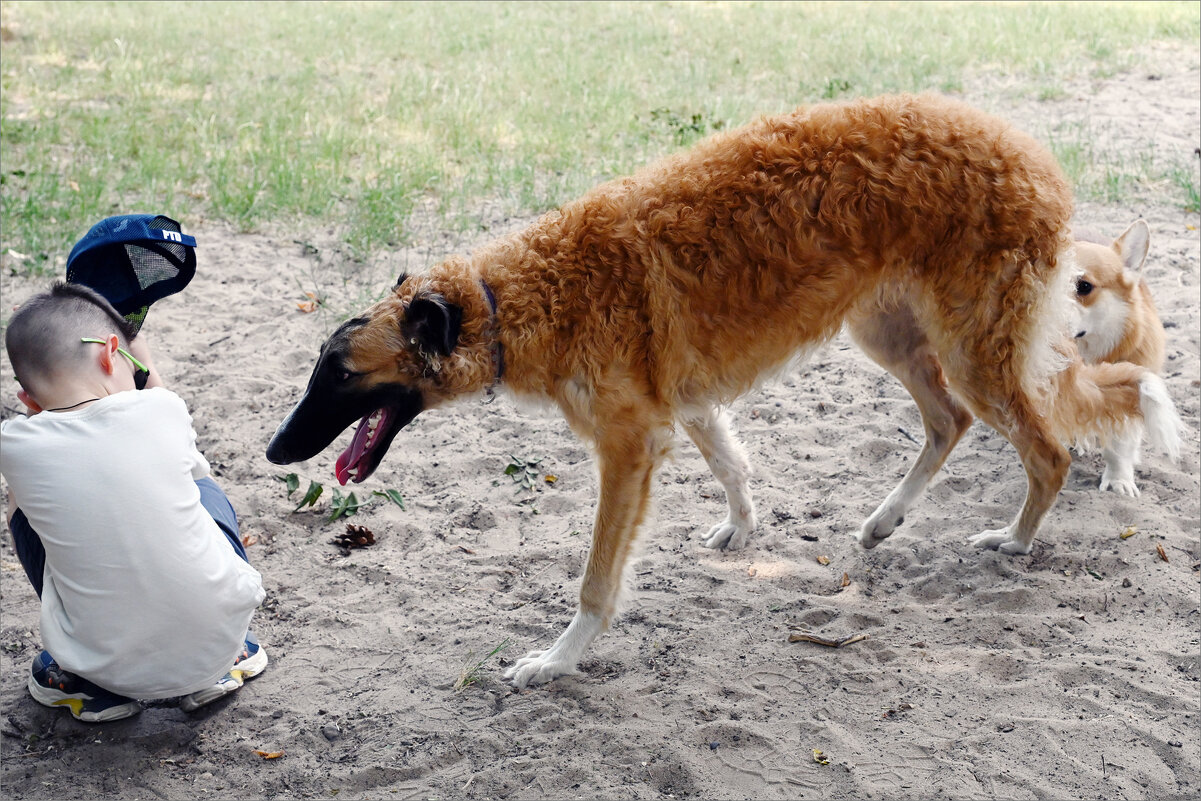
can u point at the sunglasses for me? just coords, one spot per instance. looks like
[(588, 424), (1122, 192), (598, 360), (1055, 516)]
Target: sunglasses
[(141, 373)]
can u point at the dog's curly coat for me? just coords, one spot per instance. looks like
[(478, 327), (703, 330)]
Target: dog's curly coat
[(936, 233)]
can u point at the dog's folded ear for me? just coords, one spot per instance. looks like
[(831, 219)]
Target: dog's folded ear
[(433, 324)]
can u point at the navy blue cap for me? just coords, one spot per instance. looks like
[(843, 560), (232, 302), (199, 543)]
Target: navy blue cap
[(133, 260)]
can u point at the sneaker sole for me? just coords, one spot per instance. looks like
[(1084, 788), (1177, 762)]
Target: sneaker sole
[(74, 704), (190, 703)]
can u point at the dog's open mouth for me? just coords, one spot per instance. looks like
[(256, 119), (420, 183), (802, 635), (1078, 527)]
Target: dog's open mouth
[(371, 441)]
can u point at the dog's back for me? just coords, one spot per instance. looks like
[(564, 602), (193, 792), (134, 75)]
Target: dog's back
[(720, 263)]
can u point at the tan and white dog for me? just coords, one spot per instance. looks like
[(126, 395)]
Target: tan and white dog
[(936, 233), (1118, 323)]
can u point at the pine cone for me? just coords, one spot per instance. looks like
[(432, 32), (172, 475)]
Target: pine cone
[(355, 537)]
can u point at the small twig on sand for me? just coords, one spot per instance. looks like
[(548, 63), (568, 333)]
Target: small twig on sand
[(826, 641)]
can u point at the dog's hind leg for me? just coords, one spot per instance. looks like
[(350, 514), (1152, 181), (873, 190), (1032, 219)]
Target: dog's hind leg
[(627, 454), (1046, 461), (893, 339), (728, 462)]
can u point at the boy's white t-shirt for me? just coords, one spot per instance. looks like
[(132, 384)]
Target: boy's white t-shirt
[(142, 594)]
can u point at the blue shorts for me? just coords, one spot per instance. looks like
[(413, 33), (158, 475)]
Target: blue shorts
[(33, 555)]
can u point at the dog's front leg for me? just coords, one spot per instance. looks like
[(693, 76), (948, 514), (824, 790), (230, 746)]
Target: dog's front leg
[(626, 457), (1120, 458)]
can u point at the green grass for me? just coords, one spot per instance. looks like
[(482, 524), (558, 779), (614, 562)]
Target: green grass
[(1107, 172), (354, 116)]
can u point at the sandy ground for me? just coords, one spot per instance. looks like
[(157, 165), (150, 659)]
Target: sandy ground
[(1069, 673)]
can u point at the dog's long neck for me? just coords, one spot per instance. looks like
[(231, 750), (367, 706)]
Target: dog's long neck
[(541, 305)]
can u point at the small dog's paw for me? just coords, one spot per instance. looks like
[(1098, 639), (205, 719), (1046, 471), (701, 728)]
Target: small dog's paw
[(728, 535), (538, 667), (1000, 540), (1123, 485)]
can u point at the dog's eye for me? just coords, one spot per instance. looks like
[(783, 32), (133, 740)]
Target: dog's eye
[(1083, 287)]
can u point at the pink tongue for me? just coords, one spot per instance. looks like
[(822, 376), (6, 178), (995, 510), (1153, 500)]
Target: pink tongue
[(350, 457)]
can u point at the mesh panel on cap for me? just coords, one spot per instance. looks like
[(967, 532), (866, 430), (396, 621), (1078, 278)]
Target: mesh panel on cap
[(151, 265)]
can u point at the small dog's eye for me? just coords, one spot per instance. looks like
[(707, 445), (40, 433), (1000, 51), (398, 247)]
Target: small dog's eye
[(344, 375), (1083, 287)]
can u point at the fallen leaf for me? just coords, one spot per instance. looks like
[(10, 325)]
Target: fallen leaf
[(249, 540), (307, 306), (846, 579), (74, 186), (1159, 549), (269, 754), (465, 549), (311, 295), (823, 560), (550, 479), (1128, 533), (819, 757), (750, 571)]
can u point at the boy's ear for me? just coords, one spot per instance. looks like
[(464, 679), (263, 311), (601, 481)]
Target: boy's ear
[(108, 354), (433, 324)]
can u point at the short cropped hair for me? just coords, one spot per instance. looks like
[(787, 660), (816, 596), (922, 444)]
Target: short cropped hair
[(43, 337)]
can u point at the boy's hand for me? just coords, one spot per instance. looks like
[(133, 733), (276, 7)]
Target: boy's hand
[(140, 349)]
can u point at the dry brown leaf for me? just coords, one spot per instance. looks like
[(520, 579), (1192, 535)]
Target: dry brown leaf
[(307, 306), (269, 754), (846, 579), (823, 560), (1128, 533), (550, 479), (249, 540), (751, 571), (1159, 550)]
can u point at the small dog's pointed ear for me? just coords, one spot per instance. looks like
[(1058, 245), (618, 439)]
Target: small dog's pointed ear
[(400, 280), (433, 324), (1133, 244)]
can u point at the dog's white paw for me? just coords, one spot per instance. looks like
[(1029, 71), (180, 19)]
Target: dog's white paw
[(539, 667), (1119, 482), (728, 534), (878, 527), (1001, 540)]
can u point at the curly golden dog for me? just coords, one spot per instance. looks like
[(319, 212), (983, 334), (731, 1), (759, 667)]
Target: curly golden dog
[(936, 233)]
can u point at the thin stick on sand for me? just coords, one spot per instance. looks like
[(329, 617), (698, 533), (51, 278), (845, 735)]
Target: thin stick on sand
[(826, 641)]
